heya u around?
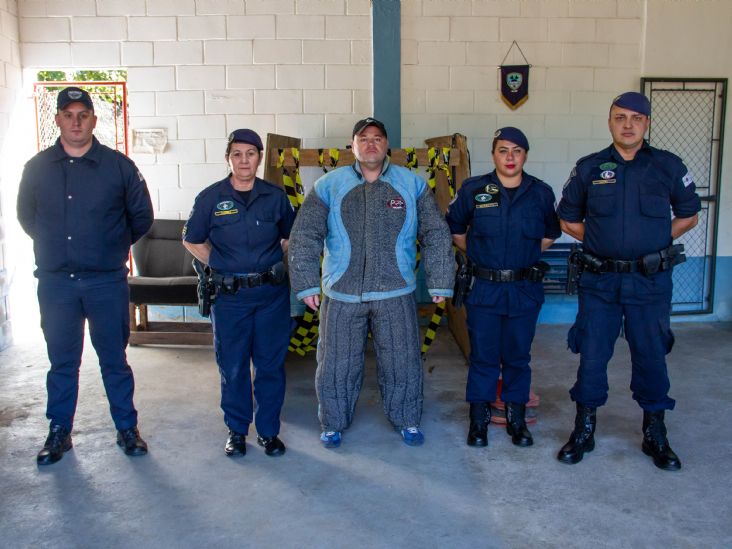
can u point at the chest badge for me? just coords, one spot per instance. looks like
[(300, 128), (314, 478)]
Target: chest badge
[(225, 207), (485, 200), (492, 188), (607, 174), (608, 166), (395, 204)]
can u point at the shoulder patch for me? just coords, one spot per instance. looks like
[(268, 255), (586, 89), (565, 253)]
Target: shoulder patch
[(572, 174), (687, 179)]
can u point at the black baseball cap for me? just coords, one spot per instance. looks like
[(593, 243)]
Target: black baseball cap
[(73, 94), (245, 135), (361, 125)]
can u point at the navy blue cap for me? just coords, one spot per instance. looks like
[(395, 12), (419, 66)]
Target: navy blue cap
[(361, 125), (514, 135), (73, 94), (633, 101), (246, 135)]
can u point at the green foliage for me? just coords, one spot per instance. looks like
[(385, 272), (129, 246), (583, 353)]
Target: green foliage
[(109, 94), (51, 76), (100, 76), (83, 76)]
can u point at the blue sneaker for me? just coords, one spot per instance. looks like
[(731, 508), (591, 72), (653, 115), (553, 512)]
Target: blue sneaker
[(331, 439), (412, 436)]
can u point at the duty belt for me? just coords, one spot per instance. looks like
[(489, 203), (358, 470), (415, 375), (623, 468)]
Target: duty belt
[(534, 273), (649, 264), (229, 284)]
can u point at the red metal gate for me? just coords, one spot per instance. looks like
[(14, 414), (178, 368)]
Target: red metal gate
[(110, 107)]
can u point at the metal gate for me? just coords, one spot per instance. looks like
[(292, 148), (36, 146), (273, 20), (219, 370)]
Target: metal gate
[(688, 120), (110, 107)]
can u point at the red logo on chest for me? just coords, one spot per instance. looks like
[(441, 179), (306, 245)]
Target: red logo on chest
[(395, 203)]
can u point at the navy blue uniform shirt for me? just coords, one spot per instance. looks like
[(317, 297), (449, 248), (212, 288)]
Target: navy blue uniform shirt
[(83, 213), (626, 205), (504, 233), (245, 238)]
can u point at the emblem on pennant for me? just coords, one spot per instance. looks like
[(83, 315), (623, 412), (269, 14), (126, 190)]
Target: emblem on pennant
[(514, 85)]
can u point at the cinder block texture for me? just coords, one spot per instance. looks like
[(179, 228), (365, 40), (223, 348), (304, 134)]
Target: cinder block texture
[(250, 26), (95, 54), (229, 101), (152, 28), (120, 7), (202, 27), (49, 29), (99, 28)]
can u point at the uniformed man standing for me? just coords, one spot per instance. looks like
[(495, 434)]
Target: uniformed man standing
[(84, 204), (619, 203)]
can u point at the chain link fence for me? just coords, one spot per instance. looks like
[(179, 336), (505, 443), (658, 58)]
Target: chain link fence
[(688, 120), (110, 107)]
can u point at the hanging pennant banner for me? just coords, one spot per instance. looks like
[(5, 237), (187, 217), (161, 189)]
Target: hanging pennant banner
[(515, 80), (514, 85)]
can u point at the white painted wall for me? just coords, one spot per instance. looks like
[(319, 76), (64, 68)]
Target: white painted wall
[(203, 68), (9, 85), (583, 53)]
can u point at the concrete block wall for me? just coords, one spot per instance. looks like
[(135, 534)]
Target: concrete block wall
[(10, 81), (582, 53), (203, 68)]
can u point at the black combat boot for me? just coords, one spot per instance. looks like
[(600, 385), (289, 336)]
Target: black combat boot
[(57, 442), (516, 424), (655, 443), (582, 438), (480, 417)]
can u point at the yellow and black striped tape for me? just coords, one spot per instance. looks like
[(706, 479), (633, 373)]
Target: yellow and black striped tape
[(434, 325), (287, 180)]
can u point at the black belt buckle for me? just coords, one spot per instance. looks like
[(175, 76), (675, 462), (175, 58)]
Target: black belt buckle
[(505, 275), (254, 280), (624, 267)]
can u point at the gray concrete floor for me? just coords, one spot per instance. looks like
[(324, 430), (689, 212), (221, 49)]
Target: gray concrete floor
[(374, 491)]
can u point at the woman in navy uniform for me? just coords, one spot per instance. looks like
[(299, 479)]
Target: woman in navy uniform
[(239, 227), (504, 220)]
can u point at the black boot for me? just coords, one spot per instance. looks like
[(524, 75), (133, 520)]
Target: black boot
[(131, 442), (582, 438), (516, 424), (236, 444), (480, 417), (655, 443), (57, 442)]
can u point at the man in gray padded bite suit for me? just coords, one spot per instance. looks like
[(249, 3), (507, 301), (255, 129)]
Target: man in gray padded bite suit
[(366, 219)]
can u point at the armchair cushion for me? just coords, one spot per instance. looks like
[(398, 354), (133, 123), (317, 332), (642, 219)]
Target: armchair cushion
[(165, 272)]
